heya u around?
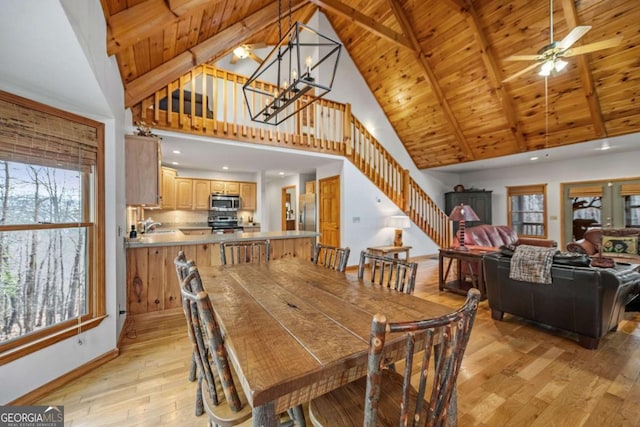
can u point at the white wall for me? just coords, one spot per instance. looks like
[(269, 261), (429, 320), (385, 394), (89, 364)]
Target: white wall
[(61, 62), (273, 204), (607, 165)]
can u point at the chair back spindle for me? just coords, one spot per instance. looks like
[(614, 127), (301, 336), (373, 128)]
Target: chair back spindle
[(245, 251), (390, 272), (331, 257)]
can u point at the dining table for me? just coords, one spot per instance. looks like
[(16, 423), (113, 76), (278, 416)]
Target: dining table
[(294, 330)]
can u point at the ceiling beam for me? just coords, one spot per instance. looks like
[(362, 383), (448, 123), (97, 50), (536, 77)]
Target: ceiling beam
[(495, 77), (433, 80), (364, 21), (211, 49), (571, 15), (147, 19)]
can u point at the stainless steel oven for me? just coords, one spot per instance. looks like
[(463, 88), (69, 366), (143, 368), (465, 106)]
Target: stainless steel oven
[(224, 202)]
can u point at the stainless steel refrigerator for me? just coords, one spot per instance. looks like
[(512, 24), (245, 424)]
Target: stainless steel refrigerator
[(307, 209)]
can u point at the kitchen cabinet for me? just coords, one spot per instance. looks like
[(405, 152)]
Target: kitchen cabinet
[(142, 170), (196, 231), (225, 187), (184, 193), (310, 187), (217, 187), (168, 189), (248, 196), (480, 202), (201, 192)]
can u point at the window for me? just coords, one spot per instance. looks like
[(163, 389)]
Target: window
[(608, 203), (527, 210), (51, 204)]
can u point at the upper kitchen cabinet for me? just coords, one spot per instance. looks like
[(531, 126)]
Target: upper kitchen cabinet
[(201, 192), (142, 170), (225, 187), (168, 188), (248, 196), (184, 193)]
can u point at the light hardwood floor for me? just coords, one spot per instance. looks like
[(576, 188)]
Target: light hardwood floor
[(514, 373)]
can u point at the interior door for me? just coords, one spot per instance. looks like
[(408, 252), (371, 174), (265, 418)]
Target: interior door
[(329, 212)]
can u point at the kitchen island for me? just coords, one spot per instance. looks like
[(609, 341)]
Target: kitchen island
[(152, 284)]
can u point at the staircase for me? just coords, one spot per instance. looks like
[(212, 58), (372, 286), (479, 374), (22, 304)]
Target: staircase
[(218, 110)]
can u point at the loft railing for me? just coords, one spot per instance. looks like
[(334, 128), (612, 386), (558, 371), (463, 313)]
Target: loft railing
[(209, 101)]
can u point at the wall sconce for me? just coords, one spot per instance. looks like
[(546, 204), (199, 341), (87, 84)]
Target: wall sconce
[(399, 222), (462, 213)]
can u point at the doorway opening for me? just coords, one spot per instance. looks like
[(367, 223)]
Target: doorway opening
[(289, 208)]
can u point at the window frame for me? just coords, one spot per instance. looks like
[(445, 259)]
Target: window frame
[(529, 190), (96, 286)]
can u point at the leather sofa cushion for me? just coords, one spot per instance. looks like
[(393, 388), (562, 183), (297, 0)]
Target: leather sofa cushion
[(490, 235), (560, 258)]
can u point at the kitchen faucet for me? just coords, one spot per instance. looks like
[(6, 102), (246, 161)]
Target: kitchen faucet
[(149, 224)]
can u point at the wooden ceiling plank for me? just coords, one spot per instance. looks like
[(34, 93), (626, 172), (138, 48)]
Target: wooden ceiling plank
[(460, 5), (138, 22), (364, 21), (209, 50), (571, 15), (435, 85), (227, 39), (147, 19), (495, 77)]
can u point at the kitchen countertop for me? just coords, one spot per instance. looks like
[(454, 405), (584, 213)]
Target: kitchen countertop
[(174, 237)]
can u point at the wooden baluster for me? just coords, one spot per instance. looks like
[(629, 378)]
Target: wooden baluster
[(214, 87), (225, 121), (205, 99)]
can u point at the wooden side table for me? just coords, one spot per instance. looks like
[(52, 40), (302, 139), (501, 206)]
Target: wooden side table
[(387, 250), (464, 279)]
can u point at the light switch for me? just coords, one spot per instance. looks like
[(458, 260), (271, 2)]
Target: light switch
[(356, 219)]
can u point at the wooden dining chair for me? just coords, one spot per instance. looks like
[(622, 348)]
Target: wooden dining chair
[(229, 407), (390, 272), (386, 397), (331, 257), (245, 251)]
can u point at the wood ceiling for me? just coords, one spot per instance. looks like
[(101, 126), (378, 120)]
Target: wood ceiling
[(435, 66)]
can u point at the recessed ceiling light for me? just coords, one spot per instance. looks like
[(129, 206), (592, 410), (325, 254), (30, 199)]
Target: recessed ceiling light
[(281, 173), (533, 158), (225, 168), (605, 145), (176, 152), (175, 163)]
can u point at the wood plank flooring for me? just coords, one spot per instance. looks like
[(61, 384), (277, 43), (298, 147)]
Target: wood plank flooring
[(514, 373)]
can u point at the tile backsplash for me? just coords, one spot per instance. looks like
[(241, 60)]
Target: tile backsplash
[(172, 217)]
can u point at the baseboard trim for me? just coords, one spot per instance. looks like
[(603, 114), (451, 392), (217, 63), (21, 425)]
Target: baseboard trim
[(37, 394)]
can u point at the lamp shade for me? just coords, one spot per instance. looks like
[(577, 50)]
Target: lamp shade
[(399, 221), (463, 213)]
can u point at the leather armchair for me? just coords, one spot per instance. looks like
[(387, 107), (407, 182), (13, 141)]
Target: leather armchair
[(590, 244)]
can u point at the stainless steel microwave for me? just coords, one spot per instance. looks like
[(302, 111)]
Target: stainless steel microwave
[(224, 202)]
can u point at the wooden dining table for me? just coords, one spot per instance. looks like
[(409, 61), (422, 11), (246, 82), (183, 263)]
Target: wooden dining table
[(295, 330)]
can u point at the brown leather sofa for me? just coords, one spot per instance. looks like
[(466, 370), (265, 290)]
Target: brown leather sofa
[(588, 301), (494, 236)]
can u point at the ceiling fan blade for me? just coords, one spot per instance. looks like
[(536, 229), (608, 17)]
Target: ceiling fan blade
[(592, 47), (575, 35), (519, 73), (255, 57), (524, 58)]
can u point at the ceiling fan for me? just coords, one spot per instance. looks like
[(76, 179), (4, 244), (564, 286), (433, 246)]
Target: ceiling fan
[(550, 56), (246, 51)]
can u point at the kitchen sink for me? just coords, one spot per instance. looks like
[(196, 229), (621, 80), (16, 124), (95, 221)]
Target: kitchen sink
[(160, 231)]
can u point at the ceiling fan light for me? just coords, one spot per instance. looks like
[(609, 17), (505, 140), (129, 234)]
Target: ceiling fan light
[(241, 52), (560, 65), (546, 68)]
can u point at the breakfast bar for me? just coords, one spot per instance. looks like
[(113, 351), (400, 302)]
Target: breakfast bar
[(152, 284)]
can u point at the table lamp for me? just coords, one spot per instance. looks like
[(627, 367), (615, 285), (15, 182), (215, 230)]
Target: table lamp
[(462, 213), (398, 222)]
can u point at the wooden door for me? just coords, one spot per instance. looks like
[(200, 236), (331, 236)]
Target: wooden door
[(329, 211), (248, 196)]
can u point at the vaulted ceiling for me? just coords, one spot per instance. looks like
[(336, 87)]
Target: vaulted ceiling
[(436, 67)]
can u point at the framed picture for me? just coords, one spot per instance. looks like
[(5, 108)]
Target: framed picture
[(620, 244)]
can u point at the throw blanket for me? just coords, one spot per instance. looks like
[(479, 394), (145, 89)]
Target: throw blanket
[(532, 264)]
